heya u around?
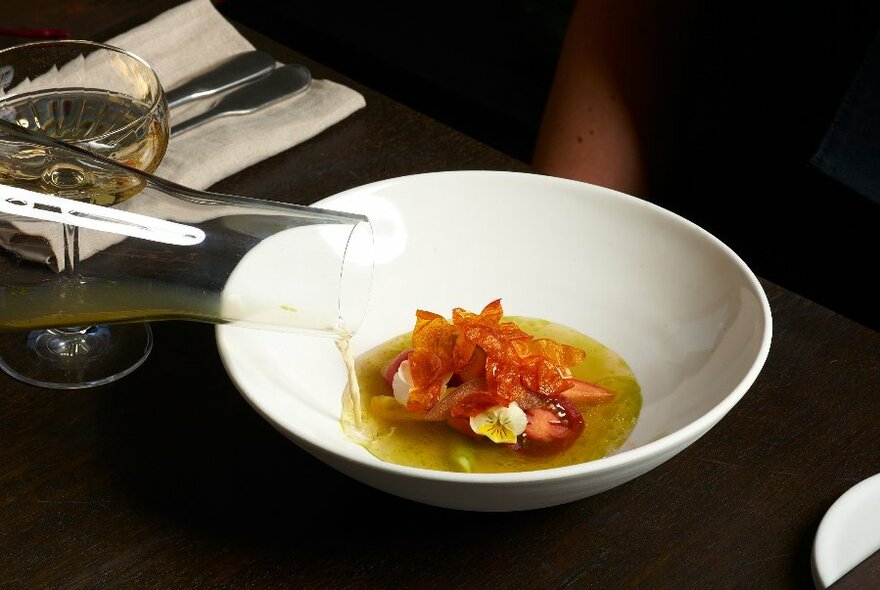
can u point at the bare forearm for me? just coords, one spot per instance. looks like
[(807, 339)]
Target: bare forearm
[(604, 115)]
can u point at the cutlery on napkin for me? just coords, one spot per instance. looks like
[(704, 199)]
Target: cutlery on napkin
[(282, 83), (189, 40), (241, 68)]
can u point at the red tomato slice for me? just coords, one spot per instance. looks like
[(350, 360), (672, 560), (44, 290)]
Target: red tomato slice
[(463, 425), (552, 428), (587, 393), (443, 408)]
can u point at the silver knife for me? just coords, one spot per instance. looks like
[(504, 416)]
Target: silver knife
[(284, 82), (235, 71)]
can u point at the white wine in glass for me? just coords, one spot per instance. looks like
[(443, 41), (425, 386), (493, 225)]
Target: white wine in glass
[(106, 101), (108, 124)]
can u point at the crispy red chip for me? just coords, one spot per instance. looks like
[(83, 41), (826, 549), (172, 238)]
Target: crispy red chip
[(540, 375), (430, 363), (516, 365), (462, 353), (474, 404), (491, 314), (559, 354), (507, 382)]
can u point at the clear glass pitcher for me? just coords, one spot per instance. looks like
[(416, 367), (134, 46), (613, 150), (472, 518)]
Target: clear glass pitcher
[(165, 252)]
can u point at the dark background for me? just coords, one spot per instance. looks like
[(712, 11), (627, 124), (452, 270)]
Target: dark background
[(760, 86), (483, 67)]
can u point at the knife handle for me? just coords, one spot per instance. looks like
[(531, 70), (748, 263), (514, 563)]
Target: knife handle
[(235, 71), (286, 81)]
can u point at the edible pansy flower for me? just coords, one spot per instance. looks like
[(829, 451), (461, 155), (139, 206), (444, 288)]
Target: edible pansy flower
[(501, 424)]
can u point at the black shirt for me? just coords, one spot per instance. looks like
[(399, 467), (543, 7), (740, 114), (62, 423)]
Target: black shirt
[(761, 86)]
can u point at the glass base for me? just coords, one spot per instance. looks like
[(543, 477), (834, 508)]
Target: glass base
[(75, 358)]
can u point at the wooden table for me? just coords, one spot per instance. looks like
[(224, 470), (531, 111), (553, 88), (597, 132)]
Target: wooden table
[(169, 479)]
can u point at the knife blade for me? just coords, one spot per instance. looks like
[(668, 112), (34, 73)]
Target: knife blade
[(284, 82), (239, 69)]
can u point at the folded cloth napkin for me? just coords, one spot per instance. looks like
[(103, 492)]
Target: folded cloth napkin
[(191, 38)]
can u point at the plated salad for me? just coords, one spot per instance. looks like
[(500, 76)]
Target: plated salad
[(484, 393)]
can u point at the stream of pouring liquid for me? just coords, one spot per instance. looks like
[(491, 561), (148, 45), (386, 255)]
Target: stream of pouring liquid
[(354, 389)]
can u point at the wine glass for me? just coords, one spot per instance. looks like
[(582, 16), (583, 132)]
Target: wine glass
[(109, 102)]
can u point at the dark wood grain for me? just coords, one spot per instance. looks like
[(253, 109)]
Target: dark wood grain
[(864, 575), (169, 479)]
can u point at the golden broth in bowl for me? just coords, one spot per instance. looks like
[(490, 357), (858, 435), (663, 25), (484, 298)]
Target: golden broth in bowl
[(434, 445)]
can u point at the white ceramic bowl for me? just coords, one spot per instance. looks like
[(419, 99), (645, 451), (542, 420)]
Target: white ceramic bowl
[(685, 312)]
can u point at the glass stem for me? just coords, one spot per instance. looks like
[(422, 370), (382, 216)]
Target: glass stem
[(71, 248), (71, 261)]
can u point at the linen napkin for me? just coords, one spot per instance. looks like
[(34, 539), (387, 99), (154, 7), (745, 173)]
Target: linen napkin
[(191, 38)]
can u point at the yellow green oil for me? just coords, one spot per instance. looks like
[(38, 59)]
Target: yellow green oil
[(435, 445)]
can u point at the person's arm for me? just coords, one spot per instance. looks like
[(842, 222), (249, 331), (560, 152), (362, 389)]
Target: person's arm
[(606, 117)]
